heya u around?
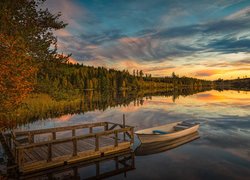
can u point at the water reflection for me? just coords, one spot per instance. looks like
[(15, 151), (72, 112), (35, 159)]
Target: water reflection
[(100, 168), (42, 106), (157, 147), (221, 152)]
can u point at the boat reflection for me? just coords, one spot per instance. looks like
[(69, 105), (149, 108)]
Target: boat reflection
[(157, 147), (100, 168)]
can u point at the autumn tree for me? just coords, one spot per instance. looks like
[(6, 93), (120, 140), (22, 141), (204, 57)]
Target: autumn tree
[(16, 72), (27, 47)]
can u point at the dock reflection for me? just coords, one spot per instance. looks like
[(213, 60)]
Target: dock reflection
[(106, 166), (157, 147)]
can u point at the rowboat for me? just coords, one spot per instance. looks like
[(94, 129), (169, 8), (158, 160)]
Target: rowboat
[(162, 146), (167, 132)]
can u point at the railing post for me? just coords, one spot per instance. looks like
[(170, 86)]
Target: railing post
[(106, 126), (20, 157), (116, 138), (123, 125), (49, 158), (96, 142), (31, 137), (73, 132), (97, 167), (75, 169), (54, 135), (90, 129), (132, 135), (75, 147), (116, 163), (16, 154), (133, 159)]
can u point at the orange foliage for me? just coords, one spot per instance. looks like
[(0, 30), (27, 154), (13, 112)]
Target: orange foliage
[(17, 72)]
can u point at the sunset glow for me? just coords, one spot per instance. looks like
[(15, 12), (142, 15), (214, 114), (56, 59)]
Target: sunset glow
[(202, 39)]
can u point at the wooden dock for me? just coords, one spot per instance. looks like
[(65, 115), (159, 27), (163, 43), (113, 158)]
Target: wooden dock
[(37, 150), (121, 162)]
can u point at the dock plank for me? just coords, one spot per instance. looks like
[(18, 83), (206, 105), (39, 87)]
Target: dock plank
[(55, 151)]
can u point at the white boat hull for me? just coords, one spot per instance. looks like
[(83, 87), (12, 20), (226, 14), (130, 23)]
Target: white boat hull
[(146, 137), (157, 147)]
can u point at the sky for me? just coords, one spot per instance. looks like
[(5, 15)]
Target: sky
[(207, 39)]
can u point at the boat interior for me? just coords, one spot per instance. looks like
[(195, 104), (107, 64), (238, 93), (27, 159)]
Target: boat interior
[(167, 129)]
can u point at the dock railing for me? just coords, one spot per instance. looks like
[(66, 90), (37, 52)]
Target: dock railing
[(118, 137)]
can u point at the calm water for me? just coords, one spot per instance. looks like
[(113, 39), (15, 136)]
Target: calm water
[(221, 152)]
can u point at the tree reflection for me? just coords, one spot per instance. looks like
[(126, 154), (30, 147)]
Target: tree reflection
[(42, 106)]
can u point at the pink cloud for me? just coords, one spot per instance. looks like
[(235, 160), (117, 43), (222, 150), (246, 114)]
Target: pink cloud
[(70, 11), (63, 32), (129, 40), (72, 60), (208, 72)]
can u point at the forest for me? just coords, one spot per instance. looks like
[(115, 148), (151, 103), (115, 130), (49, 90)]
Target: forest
[(237, 84), (60, 79)]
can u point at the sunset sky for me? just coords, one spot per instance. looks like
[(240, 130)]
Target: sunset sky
[(206, 39)]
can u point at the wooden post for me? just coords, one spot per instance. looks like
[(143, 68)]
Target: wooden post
[(16, 154), (54, 135), (9, 141), (96, 143), (73, 132), (90, 129), (74, 147), (97, 167), (31, 138), (133, 159), (106, 127), (116, 138), (116, 163), (49, 158), (123, 122), (75, 169), (20, 157), (132, 135)]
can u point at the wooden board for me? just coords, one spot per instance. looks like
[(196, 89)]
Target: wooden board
[(43, 153)]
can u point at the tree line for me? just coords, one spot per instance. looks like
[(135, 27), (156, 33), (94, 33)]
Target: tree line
[(68, 77), (237, 84)]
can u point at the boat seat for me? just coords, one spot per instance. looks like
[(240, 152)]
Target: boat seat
[(180, 127), (159, 132), (185, 124)]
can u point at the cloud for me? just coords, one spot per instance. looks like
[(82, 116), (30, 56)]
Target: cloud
[(207, 72), (243, 13), (130, 48), (215, 72), (103, 37), (71, 13), (221, 64), (177, 36), (161, 44), (63, 33), (230, 45), (218, 36), (211, 72)]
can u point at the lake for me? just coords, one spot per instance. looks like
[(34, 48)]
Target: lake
[(221, 152)]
